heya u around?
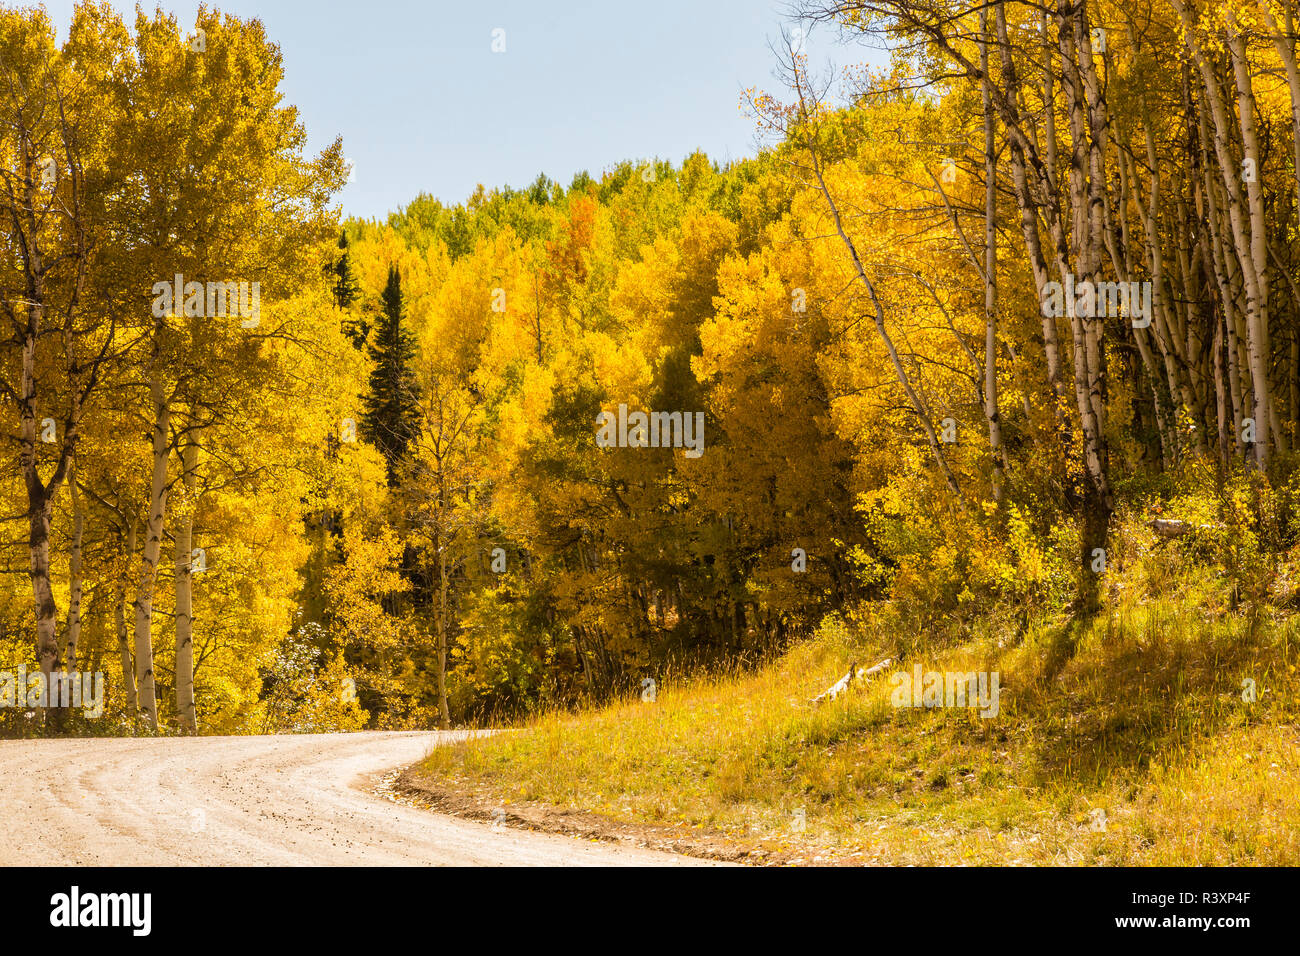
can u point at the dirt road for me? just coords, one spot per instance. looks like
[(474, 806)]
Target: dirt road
[(281, 801)]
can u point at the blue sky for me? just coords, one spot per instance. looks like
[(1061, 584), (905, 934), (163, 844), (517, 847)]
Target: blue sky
[(423, 104)]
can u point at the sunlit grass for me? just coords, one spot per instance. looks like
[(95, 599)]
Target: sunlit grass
[(1136, 748)]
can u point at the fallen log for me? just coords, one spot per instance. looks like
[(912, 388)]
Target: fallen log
[(873, 671), (843, 684)]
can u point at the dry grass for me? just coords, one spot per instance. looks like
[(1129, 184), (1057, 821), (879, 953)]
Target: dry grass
[(1125, 742)]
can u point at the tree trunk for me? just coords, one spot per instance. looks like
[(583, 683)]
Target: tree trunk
[(74, 575), (185, 710), (119, 615), (443, 711), (1265, 416), (1020, 178), (150, 554), (39, 504), (1256, 304), (1096, 528), (991, 414), (47, 642)]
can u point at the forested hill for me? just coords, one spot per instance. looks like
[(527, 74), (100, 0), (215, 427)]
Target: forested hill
[(999, 335)]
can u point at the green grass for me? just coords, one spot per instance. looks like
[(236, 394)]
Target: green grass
[(1138, 715)]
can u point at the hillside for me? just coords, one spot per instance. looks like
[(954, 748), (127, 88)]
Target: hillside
[(1137, 748)]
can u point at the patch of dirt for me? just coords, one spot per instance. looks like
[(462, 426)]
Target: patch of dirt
[(414, 789)]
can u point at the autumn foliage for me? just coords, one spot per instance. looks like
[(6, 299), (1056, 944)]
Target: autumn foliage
[(394, 477)]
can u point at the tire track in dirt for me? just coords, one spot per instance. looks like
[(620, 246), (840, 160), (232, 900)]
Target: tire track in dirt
[(290, 800)]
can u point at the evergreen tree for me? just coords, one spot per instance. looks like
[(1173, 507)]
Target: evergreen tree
[(346, 292), (345, 284), (391, 418)]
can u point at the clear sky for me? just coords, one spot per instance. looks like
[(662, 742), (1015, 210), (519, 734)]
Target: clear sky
[(424, 104)]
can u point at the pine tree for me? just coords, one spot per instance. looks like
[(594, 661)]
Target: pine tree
[(346, 292), (391, 420), (345, 286)]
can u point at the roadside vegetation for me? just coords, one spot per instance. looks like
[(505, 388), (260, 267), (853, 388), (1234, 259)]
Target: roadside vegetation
[(1125, 740)]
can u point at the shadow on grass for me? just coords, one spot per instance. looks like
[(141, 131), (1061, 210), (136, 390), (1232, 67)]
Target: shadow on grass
[(1135, 695)]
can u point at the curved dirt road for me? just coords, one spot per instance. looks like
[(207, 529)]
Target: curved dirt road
[(280, 801)]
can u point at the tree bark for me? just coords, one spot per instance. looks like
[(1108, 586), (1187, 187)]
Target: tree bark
[(119, 615), (150, 553), (185, 710), (1256, 305), (991, 414), (1265, 422), (444, 713), (74, 576)]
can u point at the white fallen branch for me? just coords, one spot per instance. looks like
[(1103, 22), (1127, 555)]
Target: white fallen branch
[(839, 687), (843, 684), (871, 672)]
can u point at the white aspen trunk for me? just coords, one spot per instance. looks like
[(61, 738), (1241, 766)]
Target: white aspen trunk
[(1086, 116), (1225, 278), (444, 713), (1230, 321), (31, 217), (1258, 242), (150, 554), (1231, 172), (1098, 228), (74, 575), (991, 414), (1029, 219), (185, 709), (119, 619)]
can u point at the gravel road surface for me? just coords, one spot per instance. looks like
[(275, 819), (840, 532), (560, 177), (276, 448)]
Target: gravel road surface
[(279, 800)]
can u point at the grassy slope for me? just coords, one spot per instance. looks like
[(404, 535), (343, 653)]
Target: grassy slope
[(1144, 721)]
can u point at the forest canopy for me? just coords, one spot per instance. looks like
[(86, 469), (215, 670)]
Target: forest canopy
[(962, 338)]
